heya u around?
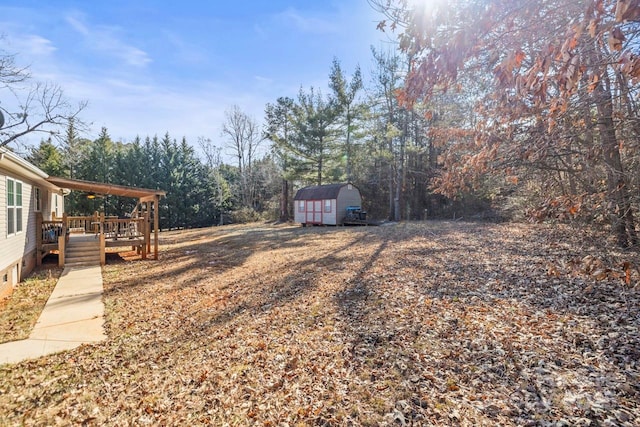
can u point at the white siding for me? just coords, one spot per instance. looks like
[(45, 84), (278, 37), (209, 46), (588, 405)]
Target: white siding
[(299, 215), (47, 204), (329, 218), (3, 210), (16, 246), (18, 250), (28, 218)]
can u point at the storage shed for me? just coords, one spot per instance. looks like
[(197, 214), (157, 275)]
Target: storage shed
[(325, 204)]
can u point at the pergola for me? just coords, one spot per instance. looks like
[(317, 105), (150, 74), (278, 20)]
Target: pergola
[(144, 195)]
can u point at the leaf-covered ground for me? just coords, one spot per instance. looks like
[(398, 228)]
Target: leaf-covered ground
[(20, 311), (409, 324)]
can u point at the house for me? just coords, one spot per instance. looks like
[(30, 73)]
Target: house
[(325, 204), (25, 196), (33, 222)]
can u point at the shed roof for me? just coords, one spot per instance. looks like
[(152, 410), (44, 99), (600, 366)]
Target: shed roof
[(320, 192)]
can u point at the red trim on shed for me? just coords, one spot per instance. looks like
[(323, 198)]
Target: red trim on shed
[(313, 212)]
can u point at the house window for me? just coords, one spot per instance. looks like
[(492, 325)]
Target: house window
[(301, 206), (327, 206), (55, 197), (36, 200), (14, 206)]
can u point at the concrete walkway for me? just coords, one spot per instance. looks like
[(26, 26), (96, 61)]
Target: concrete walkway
[(73, 315)]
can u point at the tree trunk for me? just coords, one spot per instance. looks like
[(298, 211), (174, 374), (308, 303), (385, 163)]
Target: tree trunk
[(284, 201), (400, 168), (348, 144), (621, 212), (392, 203)]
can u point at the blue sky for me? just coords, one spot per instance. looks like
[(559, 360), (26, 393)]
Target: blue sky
[(148, 67)]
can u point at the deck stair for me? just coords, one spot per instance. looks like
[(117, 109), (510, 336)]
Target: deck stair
[(82, 250)]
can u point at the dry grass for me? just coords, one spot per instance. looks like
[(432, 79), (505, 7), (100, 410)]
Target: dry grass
[(20, 311), (412, 324)]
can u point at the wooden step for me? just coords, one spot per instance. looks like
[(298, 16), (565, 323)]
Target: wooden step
[(82, 250)]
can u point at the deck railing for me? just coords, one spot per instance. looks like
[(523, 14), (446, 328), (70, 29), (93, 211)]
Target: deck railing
[(111, 231), (127, 228), (85, 224), (51, 236), (81, 224), (51, 231)]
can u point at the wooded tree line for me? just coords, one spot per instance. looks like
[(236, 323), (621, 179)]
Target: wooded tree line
[(354, 132), (554, 89), (500, 108), (199, 193)]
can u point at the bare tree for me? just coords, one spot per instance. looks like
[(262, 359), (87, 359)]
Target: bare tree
[(213, 161), (243, 138), (40, 107)]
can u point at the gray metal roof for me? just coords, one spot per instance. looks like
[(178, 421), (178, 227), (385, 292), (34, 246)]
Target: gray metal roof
[(320, 192)]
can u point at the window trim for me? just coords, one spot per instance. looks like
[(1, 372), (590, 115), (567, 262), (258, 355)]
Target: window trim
[(328, 206), (15, 206), (301, 206), (37, 199)]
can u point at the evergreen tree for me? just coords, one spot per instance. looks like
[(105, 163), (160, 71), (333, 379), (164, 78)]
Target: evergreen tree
[(48, 158), (278, 118), (385, 114), (313, 140), (98, 166), (345, 93), (74, 150)]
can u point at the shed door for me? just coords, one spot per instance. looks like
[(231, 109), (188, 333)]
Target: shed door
[(314, 212)]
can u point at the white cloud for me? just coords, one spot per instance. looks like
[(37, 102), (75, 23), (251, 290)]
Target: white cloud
[(132, 55), (108, 40), (36, 45), (185, 51), (308, 24), (263, 80), (75, 20), (128, 109)]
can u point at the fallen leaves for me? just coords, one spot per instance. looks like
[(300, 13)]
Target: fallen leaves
[(20, 311), (414, 324)]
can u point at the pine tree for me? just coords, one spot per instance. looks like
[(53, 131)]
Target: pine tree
[(345, 94), (48, 158)]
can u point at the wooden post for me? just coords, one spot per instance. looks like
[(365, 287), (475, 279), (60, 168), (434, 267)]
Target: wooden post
[(65, 228), (145, 233), (62, 246), (156, 223), (103, 256), (96, 227), (39, 238), (62, 241), (147, 238)]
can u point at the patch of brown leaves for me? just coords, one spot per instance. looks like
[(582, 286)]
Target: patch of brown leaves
[(412, 324), (20, 311)]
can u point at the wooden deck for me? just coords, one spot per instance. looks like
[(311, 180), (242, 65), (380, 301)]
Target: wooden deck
[(109, 231)]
